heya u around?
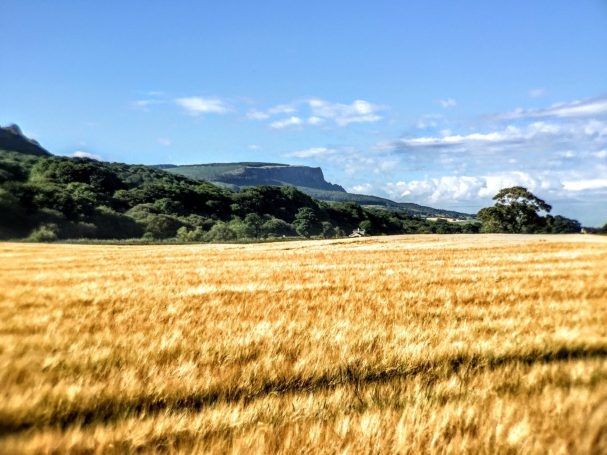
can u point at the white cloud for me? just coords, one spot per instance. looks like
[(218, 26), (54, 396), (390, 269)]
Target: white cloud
[(315, 120), (313, 152), (601, 154), (508, 134), (144, 105), (363, 188), (359, 111), (196, 105), (319, 111), (447, 103), (585, 184), (274, 110), (291, 121), (257, 115), (282, 109), (164, 141), (254, 147), (537, 92), (580, 108), (466, 188), (428, 121), (82, 154), (592, 130)]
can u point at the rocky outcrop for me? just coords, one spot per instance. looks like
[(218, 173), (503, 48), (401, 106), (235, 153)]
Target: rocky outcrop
[(12, 139)]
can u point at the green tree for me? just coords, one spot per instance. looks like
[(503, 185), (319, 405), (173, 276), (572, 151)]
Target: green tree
[(275, 227), (561, 225), (162, 226), (367, 226), (306, 222), (254, 223), (220, 232), (516, 210)]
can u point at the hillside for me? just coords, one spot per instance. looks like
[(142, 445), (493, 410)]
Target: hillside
[(309, 180), (12, 138), (49, 197)]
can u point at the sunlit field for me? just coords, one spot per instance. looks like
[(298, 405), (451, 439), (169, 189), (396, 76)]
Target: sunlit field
[(409, 344)]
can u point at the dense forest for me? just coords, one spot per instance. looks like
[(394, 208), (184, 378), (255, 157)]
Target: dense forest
[(47, 198)]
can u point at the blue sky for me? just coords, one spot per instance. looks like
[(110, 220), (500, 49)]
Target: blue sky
[(436, 102)]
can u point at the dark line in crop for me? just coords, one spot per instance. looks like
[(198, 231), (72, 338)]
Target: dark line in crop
[(110, 410)]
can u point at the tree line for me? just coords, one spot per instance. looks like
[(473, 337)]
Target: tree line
[(53, 198)]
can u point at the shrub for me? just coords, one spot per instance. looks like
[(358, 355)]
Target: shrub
[(44, 233), (275, 227), (220, 232), (190, 235)]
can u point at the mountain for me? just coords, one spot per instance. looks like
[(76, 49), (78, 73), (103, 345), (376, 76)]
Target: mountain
[(309, 180), (236, 176), (11, 138), (254, 174)]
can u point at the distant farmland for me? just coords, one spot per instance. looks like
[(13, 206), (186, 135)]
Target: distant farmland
[(461, 344)]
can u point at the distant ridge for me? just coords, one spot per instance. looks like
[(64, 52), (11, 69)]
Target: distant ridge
[(309, 180), (247, 174)]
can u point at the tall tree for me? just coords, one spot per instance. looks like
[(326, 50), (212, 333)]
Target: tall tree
[(516, 210)]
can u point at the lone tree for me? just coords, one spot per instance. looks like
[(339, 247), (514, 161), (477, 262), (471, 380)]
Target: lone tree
[(516, 210)]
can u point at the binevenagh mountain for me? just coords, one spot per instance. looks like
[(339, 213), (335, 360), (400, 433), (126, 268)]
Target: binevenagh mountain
[(309, 180)]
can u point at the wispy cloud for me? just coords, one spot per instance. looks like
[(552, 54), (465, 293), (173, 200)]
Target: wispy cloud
[(428, 121), (537, 92), (196, 105), (313, 152), (318, 111), (164, 141), (359, 111), (257, 115), (145, 104), (282, 109), (447, 103), (291, 121), (579, 108), (313, 120), (558, 133)]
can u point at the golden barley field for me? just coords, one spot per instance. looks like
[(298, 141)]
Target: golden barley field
[(410, 344)]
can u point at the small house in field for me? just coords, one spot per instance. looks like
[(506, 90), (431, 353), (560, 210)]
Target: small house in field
[(357, 233)]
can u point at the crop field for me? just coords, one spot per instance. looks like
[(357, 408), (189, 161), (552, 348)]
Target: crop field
[(409, 344)]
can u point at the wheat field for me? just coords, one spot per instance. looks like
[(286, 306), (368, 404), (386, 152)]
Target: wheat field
[(409, 344)]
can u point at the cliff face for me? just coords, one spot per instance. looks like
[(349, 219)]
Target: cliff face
[(311, 177), (11, 138)]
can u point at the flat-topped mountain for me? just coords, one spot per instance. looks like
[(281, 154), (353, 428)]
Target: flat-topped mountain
[(254, 174), (309, 180), (12, 138)]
